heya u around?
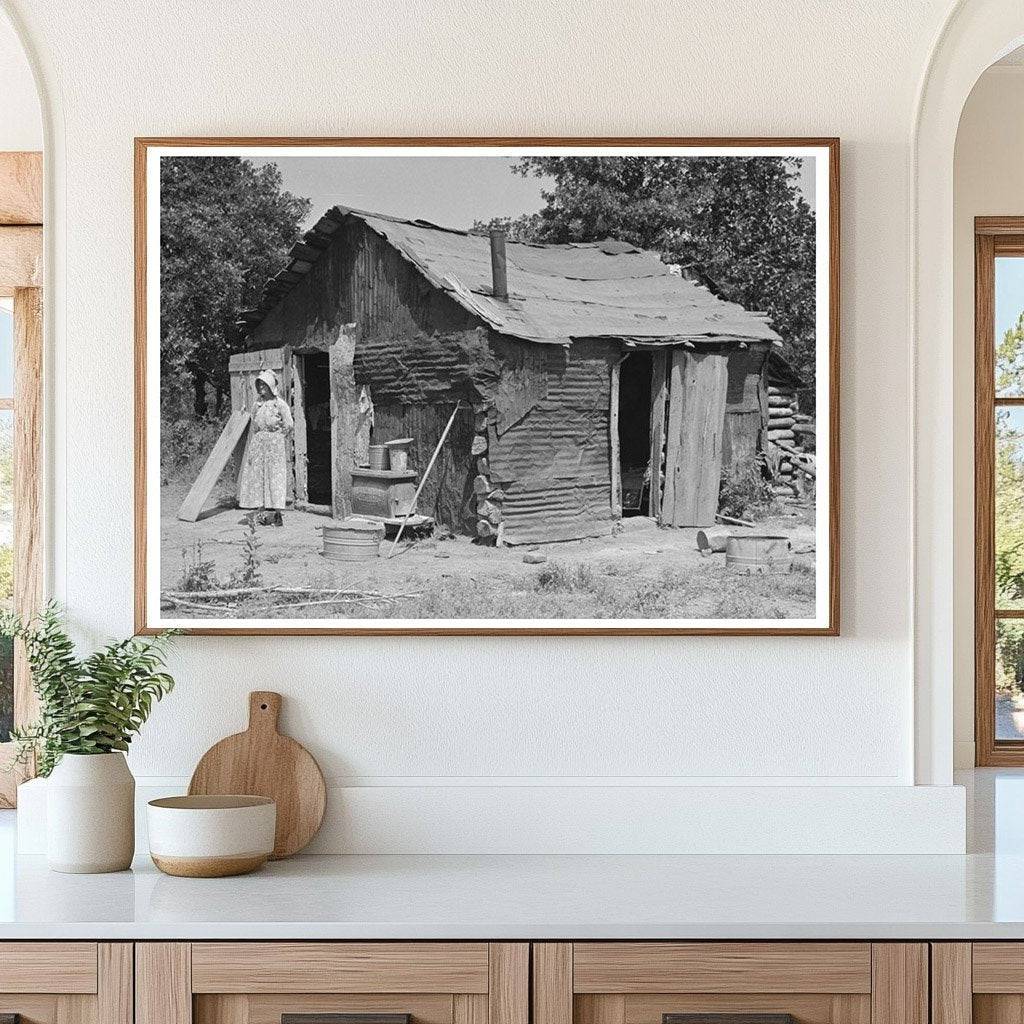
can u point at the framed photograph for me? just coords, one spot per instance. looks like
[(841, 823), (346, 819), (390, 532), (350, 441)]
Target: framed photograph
[(487, 386)]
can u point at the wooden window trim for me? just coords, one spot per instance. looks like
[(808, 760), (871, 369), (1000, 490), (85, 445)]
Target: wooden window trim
[(993, 236), (21, 260)]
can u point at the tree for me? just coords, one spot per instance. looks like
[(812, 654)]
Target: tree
[(1009, 470), (226, 226), (738, 224)]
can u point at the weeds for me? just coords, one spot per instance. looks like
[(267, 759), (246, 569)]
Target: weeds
[(197, 572), (554, 577), (745, 493), (248, 574)]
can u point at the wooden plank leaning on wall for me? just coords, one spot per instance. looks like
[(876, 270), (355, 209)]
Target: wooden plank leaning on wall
[(21, 269)]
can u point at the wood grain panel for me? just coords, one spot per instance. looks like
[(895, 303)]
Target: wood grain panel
[(469, 1008), (599, 1009), (115, 983), (998, 1009), (267, 1009), (28, 483), (998, 967), (552, 983), (951, 983), (899, 990), (339, 967), (851, 1009), (48, 967), (163, 983), (508, 989), (633, 967), (227, 1009), (21, 258), (806, 1008), (21, 188), (76, 1009), (33, 1009)]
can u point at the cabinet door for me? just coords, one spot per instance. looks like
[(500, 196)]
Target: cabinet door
[(737, 982), (314, 982), (66, 982), (981, 982)]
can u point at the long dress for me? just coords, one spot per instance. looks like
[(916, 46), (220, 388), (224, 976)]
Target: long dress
[(263, 481)]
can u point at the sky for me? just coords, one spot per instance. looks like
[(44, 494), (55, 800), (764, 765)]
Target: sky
[(453, 191), (1009, 292)]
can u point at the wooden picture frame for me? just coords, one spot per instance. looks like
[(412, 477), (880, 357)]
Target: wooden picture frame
[(825, 621)]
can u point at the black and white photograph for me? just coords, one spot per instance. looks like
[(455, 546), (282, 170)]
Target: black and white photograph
[(468, 387)]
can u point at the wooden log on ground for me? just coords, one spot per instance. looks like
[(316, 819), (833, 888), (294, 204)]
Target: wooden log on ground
[(780, 435), (781, 422)]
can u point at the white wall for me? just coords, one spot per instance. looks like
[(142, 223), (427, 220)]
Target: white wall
[(447, 714), (21, 125), (988, 181)]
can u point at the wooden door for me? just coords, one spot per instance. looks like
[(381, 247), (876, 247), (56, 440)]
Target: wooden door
[(263, 982), (64, 982), (698, 383), (749, 982), (244, 368)]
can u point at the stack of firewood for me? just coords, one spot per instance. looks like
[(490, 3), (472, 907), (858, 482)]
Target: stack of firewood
[(488, 496), (782, 438)]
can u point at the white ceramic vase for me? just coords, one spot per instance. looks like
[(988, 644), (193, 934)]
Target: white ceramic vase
[(90, 814)]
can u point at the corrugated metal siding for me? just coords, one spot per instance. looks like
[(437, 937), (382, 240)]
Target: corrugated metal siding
[(554, 463)]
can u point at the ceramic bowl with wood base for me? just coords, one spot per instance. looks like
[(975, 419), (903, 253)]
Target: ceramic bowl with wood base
[(211, 836)]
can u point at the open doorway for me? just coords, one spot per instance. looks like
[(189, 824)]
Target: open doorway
[(316, 390), (635, 432)]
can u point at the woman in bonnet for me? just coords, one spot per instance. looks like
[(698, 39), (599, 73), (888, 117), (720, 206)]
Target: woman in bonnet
[(263, 482)]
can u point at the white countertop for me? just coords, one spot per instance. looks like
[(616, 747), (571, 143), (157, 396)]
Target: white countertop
[(978, 896), (532, 897)]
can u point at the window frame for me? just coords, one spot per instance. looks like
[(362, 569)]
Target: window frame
[(21, 256), (993, 237)]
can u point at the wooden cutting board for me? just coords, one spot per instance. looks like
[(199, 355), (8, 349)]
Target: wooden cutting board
[(262, 762)]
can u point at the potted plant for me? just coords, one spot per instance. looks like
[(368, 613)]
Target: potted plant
[(89, 709)]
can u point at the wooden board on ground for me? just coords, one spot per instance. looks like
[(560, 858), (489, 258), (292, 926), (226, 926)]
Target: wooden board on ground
[(229, 440), (262, 762)]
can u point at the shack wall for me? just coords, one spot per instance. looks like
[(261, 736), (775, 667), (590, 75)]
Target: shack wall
[(745, 410), (417, 350), (553, 462)]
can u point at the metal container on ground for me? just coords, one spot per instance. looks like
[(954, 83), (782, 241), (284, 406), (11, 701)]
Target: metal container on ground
[(764, 554), (378, 456), (352, 540)]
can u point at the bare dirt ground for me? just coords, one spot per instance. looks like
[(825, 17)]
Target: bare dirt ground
[(640, 572)]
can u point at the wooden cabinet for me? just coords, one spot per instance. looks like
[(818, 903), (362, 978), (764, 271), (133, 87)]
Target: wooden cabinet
[(259, 982), (66, 982), (815, 982), (979, 982)]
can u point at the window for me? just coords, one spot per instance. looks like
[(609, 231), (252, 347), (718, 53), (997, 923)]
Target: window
[(999, 490)]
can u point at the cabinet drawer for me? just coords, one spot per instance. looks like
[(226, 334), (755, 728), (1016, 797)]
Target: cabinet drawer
[(340, 967), (630, 967), (262, 982), (66, 982), (48, 967), (736, 982)]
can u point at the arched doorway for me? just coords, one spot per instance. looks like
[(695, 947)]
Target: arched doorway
[(975, 35)]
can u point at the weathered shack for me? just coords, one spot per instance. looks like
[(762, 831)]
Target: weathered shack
[(584, 370)]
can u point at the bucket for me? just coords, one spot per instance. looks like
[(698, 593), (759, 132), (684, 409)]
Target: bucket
[(354, 540), (378, 456), (398, 453), (759, 554)]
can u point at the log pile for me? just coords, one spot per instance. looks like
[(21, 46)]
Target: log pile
[(487, 495), (790, 434)]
